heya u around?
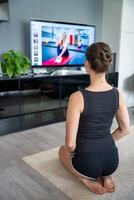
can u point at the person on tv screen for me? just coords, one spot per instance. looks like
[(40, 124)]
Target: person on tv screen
[(62, 48), (79, 44), (90, 151)]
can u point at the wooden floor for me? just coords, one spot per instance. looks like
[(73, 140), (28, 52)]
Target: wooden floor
[(18, 181)]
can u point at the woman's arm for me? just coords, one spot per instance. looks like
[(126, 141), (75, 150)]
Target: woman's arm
[(75, 107), (122, 118)]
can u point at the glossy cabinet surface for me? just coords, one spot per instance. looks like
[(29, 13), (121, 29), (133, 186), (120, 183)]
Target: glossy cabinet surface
[(32, 101)]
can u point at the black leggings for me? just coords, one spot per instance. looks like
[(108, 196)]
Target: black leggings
[(96, 164)]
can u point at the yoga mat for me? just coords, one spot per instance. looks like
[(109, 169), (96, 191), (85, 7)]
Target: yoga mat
[(64, 61), (48, 165)]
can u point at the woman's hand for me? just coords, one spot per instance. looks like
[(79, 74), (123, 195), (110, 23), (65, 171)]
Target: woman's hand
[(58, 59), (70, 152)]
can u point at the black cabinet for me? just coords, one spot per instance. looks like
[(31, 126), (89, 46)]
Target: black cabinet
[(32, 101)]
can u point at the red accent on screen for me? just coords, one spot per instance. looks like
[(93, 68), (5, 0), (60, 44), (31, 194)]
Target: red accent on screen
[(71, 39), (64, 61)]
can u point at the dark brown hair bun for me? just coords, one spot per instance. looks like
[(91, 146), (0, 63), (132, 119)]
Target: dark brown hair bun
[(99, 55)]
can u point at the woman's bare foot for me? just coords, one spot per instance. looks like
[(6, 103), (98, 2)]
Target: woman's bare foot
[(93, 186), (109, 184)]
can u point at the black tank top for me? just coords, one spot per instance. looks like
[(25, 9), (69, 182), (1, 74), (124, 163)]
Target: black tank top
[(96, 120)]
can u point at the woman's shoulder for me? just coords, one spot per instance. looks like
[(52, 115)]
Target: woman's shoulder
[(122, 99), (76, 95), (76, 100), (120, 93)]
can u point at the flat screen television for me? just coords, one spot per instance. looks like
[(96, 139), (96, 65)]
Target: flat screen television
[(59, 44)]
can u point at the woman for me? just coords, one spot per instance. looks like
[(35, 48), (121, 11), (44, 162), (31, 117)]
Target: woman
[(62, 48), (90, 151)]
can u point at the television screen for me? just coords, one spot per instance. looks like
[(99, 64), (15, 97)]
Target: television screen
[(59, 44)]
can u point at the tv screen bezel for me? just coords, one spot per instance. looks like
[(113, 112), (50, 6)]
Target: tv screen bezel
[(57, 22)]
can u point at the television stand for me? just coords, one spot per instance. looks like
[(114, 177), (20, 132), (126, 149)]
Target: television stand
[(65, 72), (40, 71)]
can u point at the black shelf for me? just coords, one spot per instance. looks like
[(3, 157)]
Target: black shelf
[(36, 100)]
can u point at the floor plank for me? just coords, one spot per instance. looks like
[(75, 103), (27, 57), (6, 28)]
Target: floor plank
[(18, 180)]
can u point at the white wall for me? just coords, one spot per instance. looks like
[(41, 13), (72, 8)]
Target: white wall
[(111, 25), (126, 59)]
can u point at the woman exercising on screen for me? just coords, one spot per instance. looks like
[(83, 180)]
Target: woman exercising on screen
[(62, 48), (90, 151)]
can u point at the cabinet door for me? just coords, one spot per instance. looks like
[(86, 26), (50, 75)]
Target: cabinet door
[(9, 105), (9, 98), (39, 94), (40, 101)]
